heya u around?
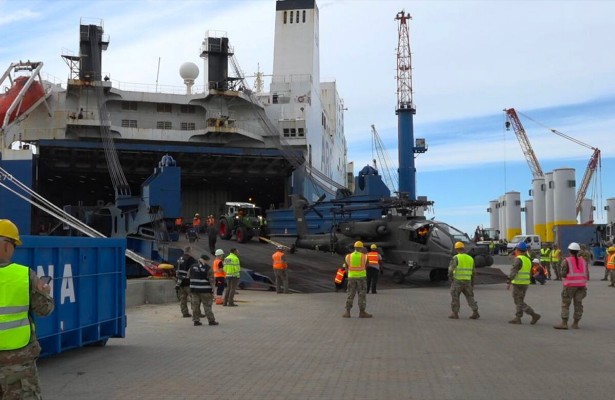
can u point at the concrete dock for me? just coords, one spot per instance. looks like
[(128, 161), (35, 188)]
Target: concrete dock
[(298, 346)]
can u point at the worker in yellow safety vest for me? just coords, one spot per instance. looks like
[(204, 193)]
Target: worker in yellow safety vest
[(22, 294), (520, 278), (355, 264), (555, 262), (232, 268), (461, 274), (545, 259)]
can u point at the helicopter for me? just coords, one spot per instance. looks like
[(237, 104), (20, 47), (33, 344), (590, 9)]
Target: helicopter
[(407, 242)]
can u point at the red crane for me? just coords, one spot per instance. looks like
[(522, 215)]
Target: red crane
[(593, 164)]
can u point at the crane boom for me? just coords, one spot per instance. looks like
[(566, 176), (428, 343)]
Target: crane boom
[(526, 147), (592, 165), (385, 161)]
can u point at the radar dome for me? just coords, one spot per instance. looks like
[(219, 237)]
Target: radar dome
[(189, 70)]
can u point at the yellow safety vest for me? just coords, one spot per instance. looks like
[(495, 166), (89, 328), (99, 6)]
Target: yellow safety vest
[(465, 267), (231, 266), (356, 265), (523, 275), (15, 327), (555, 255), (545, 255)]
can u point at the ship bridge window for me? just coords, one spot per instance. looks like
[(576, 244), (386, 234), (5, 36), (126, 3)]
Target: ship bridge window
[(129, 105), (187, 126), (164, 107), (187, 109), (291, 17), (285, 16), (304, 16), (301, 132), (164, 125), (297, 20), (129, 123)]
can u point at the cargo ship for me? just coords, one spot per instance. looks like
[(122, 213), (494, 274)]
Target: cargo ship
[(93, 141)]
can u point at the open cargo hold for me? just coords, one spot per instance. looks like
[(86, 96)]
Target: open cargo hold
[(88, 288)]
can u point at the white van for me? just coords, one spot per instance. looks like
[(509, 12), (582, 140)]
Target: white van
[(533, 242)]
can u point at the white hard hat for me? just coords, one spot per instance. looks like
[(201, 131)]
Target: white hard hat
[(574, 246), (219, 252), (536, 261)]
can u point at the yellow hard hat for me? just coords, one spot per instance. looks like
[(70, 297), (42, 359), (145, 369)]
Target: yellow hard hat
[(9, 230), (373, 247), (611, 249), (459, 245), (358, 244)]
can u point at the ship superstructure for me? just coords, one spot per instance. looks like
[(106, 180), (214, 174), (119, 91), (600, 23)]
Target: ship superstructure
[(96, 139)]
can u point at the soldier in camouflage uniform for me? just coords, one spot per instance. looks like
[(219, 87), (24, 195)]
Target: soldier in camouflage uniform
[(19, 347), (575, 272), (355, 263), (201, 277), (185, 262), (585, 254), (461, 274), (519, 277)]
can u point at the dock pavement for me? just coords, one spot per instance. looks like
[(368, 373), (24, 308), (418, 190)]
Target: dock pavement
[(298, 346)]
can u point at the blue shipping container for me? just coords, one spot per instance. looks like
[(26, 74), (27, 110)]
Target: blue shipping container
[(88, 288)]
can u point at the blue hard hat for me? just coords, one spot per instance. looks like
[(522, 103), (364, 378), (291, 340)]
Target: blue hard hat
[(522, 246)]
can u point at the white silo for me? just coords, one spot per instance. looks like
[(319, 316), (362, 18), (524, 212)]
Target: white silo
[(610, 210), (502, 216), (529, 217), (540, 210), (494, 217), (513, 214), (549, 215), (587, 211), (564, 197)]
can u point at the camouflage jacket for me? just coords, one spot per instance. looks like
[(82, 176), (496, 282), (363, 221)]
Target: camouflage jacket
[(41, 304)]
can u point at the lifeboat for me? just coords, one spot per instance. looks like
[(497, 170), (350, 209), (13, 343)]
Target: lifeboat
[(35, 93)]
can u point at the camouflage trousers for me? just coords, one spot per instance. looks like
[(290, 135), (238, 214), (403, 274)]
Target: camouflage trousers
[(20, 382), (465, 287), (281, 280), (570, 294), (518, 294), (207, 299), (183, 294), (357, 285)]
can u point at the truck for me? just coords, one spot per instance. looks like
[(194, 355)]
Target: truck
[(533, 242), (242, 220), (591, 235)]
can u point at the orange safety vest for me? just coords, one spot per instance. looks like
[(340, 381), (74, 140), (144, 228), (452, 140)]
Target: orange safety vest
[(218, 271), (339, 276), (611, 262), (196, 222), (373, 258), (178, 222), (278, 263), (211, 221)]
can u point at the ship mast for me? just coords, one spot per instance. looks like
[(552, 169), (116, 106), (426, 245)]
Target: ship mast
[(405, 111)]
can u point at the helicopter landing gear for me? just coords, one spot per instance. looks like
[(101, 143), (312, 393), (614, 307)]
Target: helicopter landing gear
[(399, 277)]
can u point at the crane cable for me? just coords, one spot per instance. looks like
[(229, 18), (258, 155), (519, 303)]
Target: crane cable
[(45, 205)]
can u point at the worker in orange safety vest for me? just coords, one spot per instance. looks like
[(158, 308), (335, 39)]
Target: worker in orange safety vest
[(280, 269), (610, 264), (374, 267), (219, 275)]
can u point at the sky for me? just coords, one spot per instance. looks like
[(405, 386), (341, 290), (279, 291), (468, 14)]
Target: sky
[(550, 60)]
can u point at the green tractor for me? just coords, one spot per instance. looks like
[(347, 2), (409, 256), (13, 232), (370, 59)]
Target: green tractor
[(243, 220)]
